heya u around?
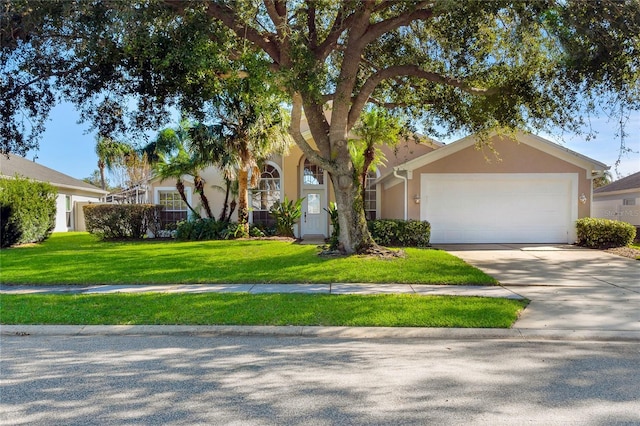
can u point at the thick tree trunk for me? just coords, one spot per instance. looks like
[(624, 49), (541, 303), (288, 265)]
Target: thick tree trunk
[(354, 235), (243, 195)]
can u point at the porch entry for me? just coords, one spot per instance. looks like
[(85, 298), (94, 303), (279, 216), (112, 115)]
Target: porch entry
[(314, 221), (314, 217)]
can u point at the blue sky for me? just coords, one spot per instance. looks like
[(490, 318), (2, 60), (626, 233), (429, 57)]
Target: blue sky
[(68, 148)]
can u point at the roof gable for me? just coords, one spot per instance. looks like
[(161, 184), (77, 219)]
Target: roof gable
[(14, 165), (529, 139)]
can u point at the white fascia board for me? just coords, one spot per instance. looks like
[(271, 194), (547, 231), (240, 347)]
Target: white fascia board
[(620, 192)]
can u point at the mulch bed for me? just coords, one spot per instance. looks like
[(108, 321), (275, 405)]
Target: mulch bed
[(630, 252)]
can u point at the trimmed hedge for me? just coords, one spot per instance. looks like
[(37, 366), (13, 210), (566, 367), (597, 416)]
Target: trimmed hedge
[(604, 233), (400, 233), (27, 211), (122, 221)]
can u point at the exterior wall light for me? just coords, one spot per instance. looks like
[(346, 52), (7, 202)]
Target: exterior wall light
[(416, 199), (583, 198)]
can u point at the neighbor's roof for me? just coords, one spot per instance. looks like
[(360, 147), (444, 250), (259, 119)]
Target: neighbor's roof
[(630, 182), (14, 165)]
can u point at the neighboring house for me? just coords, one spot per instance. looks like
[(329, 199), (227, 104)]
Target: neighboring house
[(72, 193), (620, 200), (533, 193)]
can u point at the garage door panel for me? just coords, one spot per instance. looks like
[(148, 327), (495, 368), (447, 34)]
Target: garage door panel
[(494, 208)]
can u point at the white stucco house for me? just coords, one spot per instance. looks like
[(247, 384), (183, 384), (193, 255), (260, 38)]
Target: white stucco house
[(72, 193), (620, 200)]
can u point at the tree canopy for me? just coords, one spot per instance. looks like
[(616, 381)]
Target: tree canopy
[(470, 66)]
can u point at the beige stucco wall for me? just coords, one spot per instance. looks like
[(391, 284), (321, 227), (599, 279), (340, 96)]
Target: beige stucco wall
[(512, 157)]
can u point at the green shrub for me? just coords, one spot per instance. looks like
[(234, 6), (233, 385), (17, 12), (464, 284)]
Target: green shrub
[(335, 225), (203, 229), (400, 233), (122, 221), (27, 211), (261, 230), (604, 233), (286, 214)]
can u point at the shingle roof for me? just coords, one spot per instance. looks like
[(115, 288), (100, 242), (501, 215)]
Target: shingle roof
[(15, 165), (629, 182)]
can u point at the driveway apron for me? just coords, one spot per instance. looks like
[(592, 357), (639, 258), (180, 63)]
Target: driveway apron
[(570, 288)]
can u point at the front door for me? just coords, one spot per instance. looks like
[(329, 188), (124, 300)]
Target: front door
[(314, 217)]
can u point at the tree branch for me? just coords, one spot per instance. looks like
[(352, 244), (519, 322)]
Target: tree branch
[(422, 12), (340, 24), (228, 17), (311, 24), (296, 133), (409, 71)]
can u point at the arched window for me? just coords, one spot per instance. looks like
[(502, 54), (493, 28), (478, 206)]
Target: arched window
[(265, 195), (312, 174), (370, 197)]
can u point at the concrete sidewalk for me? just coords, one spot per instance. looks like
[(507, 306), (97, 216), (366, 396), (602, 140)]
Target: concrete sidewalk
[(336, 288)]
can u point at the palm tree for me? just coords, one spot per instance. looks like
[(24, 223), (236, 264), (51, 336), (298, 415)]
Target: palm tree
[(110, 153), (170, 158), (603, 180), (250, 127), (377, 126)]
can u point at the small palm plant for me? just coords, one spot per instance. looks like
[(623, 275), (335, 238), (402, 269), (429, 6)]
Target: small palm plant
[(335, 224), (286, 214)]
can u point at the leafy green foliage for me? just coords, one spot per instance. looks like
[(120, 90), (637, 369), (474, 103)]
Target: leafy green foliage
[(27, 211), (334, 239), (604, 233), (400, 233), (201, 229), (122, 221), (286, 213), (206, 229)]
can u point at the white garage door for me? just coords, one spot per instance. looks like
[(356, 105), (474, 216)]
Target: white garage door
[(500, 208)]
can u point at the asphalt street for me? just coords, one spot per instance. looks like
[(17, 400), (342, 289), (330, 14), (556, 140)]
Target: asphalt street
[(261, 380)]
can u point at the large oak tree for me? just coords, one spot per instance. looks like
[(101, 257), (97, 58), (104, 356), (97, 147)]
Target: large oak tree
[(469, 66)]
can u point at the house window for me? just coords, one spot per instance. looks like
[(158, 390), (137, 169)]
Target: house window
[(68, 209), (370, 197), (265, 195), (629, 202), (312, 174), (174, 210)]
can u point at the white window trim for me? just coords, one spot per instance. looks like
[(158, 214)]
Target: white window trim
[(250, 200), (157, 190), (303, 185)]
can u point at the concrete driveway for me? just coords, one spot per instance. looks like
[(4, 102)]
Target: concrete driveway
[(570, 288)]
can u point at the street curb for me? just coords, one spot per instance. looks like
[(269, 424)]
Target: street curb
[(323, 332)]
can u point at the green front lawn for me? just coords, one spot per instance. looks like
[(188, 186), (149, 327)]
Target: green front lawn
[(79, 258), (261, 309)]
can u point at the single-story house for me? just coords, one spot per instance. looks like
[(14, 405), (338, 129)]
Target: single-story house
[(72, 193), (527, 190), (620, 200)]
